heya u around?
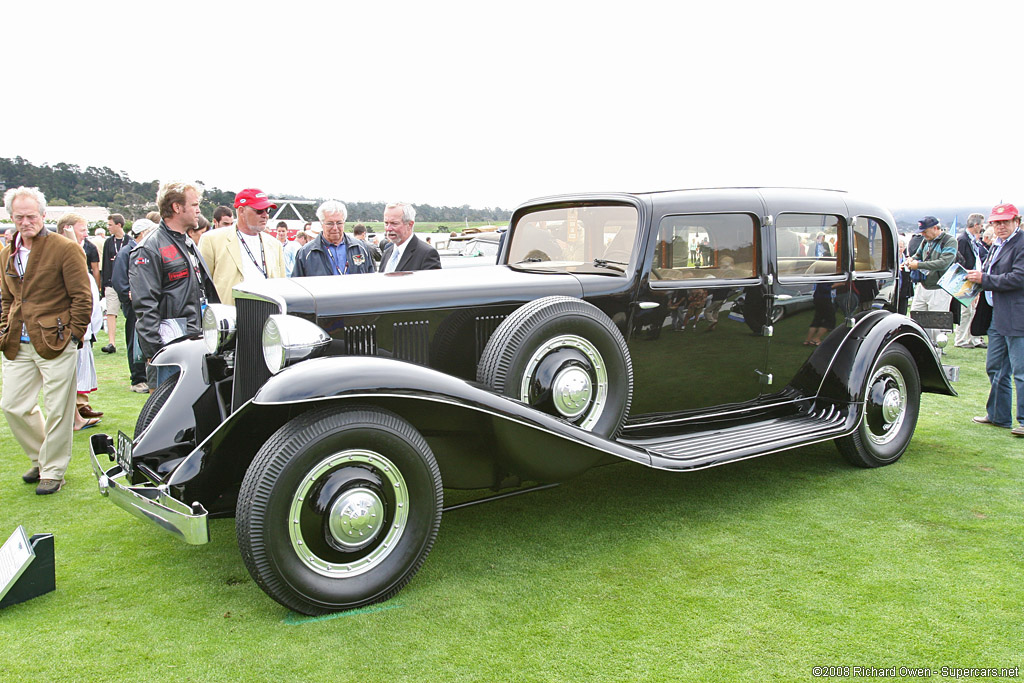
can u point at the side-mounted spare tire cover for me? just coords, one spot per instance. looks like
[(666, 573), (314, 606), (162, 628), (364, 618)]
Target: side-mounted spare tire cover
[(565, 357)]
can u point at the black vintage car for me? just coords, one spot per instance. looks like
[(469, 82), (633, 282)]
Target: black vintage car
[(329, 414)]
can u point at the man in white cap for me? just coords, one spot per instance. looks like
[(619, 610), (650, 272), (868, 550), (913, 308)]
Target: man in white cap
[(119, 283)]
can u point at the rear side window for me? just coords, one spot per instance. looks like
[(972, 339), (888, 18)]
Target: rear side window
[(705, 246), (809, 245), (872, 248)]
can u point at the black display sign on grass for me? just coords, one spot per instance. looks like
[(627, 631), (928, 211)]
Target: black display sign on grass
[(26, 567)]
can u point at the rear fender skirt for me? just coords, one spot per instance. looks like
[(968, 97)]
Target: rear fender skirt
[(521, 440), (842, 363)]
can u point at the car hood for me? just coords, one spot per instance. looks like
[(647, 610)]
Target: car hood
[(412, 290)]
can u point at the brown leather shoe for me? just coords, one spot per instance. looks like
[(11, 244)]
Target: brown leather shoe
[(48, 486), (86, 411), (32, 476), (983, 420)]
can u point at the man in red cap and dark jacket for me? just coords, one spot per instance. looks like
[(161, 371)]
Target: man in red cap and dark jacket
[(1002, 279)]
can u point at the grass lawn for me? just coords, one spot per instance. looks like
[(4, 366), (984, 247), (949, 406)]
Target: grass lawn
[(759, 570)]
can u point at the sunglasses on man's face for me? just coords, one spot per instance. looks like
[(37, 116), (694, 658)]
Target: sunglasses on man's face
[(262, 212)]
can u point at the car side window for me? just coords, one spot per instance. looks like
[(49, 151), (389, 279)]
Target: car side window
[(872, 250), (704, 246), (809, 245)]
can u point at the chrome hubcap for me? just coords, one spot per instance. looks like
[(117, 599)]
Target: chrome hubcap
[(579, 389), (886, 405), (571, 391), (892, 405), (348, 513), (356, 517)]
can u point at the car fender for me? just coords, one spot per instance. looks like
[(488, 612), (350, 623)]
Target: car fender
[(172, 429), (477, 436), (840, 368)]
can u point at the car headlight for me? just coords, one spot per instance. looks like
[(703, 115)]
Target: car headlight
[(287, 340), (218, 326)]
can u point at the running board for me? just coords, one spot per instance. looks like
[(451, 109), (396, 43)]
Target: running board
[(697, 450)]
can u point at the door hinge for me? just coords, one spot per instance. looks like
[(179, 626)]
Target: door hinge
[(763, 377)]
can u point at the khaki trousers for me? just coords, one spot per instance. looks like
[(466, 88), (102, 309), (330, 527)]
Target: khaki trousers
[(46, 441)]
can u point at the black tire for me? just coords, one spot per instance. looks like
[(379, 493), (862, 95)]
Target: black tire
[(565, 357), (153, 405), (892, 402), (335, 471)]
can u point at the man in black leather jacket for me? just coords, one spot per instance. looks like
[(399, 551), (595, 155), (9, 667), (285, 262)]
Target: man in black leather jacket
[(169, 282)]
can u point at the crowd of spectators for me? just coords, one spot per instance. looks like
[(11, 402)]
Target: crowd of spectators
[(61, 288)]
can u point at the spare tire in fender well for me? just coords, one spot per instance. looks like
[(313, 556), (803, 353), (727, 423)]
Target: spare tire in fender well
[(565, 357)]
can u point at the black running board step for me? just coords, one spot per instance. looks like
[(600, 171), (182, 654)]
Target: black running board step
[(717, 446)]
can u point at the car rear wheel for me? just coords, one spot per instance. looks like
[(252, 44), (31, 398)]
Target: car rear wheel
[(565, 357), (339, 509), (892, 401)]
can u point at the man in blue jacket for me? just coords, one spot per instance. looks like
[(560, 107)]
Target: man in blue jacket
[(1002, 279), (332, 252)]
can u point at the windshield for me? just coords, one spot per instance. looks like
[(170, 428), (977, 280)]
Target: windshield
[(592, 238)]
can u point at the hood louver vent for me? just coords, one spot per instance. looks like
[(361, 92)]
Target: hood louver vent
[(412, 341), (361, 340)]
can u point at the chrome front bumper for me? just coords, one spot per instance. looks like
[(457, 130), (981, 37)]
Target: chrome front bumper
[(149, 502)]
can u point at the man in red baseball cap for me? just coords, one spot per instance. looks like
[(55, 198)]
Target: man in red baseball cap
[(245, 252), (1002, 278)]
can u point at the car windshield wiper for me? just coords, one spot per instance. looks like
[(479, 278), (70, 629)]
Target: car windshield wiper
[(530, 260), (613, 265)]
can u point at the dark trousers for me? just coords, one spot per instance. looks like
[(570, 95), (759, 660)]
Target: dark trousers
[(136, 368)]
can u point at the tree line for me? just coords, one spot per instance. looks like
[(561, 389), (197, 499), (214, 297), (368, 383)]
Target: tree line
[(71, 185)]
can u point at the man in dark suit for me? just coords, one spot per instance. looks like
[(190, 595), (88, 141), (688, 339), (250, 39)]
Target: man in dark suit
[(1002, 279), (405, 251)]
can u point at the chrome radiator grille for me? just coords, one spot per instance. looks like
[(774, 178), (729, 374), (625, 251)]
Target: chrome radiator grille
[(250, 368)]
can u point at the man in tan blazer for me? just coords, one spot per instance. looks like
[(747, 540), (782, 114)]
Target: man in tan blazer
[(47, 306), (245, 251)]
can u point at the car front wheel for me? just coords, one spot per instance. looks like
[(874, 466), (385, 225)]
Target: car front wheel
[(892, 400), (339, 509)]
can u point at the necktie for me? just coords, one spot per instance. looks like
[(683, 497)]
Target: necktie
[(392, 262)]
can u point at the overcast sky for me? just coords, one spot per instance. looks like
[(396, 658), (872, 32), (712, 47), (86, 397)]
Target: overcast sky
[(490, 104)]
